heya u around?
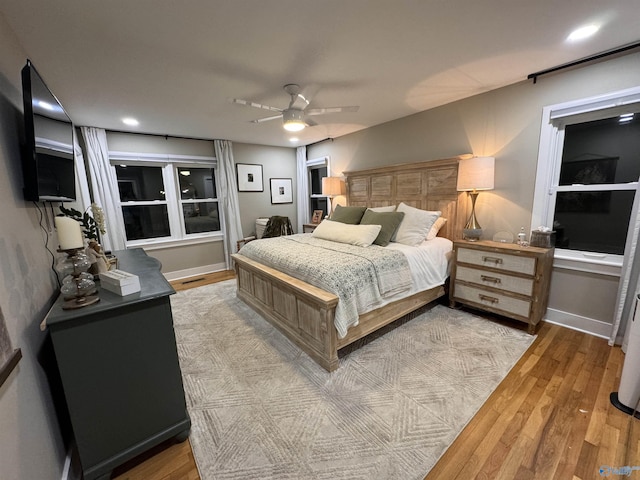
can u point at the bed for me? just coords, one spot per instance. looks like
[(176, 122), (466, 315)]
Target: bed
[(306, 313)]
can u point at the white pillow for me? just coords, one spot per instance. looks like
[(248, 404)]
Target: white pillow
[(415, 225), (438, 224), (390, 208), (360, 235)]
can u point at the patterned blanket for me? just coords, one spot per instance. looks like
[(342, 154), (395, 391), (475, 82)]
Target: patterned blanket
[(360, 277)]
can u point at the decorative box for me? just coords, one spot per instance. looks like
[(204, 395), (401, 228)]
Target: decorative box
[(542, 239), (120, 282)]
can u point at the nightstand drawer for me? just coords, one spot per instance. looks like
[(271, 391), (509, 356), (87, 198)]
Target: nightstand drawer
[(494, 300), (499, 260), (501, 281)]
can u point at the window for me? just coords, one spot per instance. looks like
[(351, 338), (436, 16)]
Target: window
[(317, 169), (588, 169), (165, 199)]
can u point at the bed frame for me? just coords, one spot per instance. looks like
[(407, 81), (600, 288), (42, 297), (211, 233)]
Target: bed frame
[(305, 313)]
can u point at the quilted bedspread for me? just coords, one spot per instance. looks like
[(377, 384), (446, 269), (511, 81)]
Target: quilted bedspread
[(361, 277)]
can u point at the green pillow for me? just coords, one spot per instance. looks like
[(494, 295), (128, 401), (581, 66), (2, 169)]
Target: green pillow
[(389, 221), (350, 215)]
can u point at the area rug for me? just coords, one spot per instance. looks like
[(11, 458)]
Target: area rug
[(262, 409)]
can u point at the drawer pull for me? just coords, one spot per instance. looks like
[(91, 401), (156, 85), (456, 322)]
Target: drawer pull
[(495, 260), (487, 298), (486, 278)]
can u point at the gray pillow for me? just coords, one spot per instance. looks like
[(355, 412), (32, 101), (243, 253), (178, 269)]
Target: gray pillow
[(389, 221), (350, 215)]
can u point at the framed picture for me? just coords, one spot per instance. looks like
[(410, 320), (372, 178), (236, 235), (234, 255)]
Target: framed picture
[(249, 177), (317, 216), (281, 190)]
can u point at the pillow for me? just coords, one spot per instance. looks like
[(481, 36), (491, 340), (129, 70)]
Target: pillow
[(390, 208), (350, 215), (415, 225), (438, 224), (360, 235), (389, 221)]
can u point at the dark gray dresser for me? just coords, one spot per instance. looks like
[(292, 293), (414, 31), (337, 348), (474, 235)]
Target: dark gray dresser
[(118, 363)]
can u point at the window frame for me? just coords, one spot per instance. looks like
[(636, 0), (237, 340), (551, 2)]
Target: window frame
[(554, 120), (311, 164), (170, 165)]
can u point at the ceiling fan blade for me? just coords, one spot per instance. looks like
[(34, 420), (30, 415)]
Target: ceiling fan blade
[(322, 111), (266, 119), (310, 123), (254, 105)]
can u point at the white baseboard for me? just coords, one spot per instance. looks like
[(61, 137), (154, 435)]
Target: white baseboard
[(588, 325), (192, 272)]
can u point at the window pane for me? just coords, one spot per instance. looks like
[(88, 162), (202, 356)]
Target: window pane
[(602, 151), (319, 204), (201, 217), (146, 221), (317, 174), (593, 221), (140, 183), (197, 183)]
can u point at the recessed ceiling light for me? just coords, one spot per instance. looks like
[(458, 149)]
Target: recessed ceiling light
[(294, 139), (583, 32), (132, 122)]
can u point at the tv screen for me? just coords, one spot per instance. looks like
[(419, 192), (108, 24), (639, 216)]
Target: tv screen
[(48, 160)]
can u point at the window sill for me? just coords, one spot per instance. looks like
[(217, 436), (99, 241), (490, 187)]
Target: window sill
[(610, 265), (150, 245)]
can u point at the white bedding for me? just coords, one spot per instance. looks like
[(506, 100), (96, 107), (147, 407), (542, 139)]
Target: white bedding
[(350, 278)]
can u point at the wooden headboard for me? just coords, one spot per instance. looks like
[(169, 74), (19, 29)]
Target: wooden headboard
[(429, 185)]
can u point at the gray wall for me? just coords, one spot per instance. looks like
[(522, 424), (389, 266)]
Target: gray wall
[(277, 162), (31, 445), (504, 123)]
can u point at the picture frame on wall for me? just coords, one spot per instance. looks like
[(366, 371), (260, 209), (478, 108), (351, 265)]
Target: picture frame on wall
[(249, 177), (281, 190)]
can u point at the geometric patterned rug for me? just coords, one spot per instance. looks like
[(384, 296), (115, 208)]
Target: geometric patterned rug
[(262, 409)]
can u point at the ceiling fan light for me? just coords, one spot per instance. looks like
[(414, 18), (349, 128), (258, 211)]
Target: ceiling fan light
[(293, 120)]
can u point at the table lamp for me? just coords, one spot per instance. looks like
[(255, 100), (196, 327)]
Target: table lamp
[(474, 174), (332, 187)]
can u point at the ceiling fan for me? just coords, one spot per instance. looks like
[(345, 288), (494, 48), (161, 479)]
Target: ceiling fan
[(294, 117)]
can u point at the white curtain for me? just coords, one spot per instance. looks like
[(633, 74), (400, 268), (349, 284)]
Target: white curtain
[(628, 287), (84, 199), (302, 196), (228, 196), (104, 185)]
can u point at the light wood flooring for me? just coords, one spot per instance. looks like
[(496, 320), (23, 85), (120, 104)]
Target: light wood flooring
[(550, 418)]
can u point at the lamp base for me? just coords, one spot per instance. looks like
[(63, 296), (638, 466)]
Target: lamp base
[(472, 234)]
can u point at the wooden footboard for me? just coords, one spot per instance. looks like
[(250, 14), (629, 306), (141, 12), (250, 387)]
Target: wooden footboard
[(305, 313)]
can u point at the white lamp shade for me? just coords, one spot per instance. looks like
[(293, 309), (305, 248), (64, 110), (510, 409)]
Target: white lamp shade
[(332, 186), (476, 173)]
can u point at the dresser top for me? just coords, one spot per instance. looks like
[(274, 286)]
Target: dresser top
[(136, 261), (511, 247)]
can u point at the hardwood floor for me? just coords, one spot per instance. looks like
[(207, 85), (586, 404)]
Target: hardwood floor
[(550, 418)]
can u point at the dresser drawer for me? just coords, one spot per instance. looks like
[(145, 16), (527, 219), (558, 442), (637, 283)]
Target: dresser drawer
[(508, 283), (499, 260), (498, 301)]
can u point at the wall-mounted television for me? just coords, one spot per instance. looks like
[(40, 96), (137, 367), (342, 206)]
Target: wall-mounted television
[(48, 158)]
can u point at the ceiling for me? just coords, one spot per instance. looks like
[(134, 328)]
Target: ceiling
[(174, 65)]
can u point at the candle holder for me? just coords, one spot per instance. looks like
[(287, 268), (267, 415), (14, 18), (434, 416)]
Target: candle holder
[(78, 288)]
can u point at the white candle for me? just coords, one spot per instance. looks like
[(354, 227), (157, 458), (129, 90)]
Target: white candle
[(69, 233)]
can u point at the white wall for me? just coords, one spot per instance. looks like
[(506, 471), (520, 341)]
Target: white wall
[(31, 445), (504, 123)]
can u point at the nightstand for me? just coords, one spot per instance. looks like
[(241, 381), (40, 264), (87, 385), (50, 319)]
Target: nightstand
[(502, 278), (309, 227)]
